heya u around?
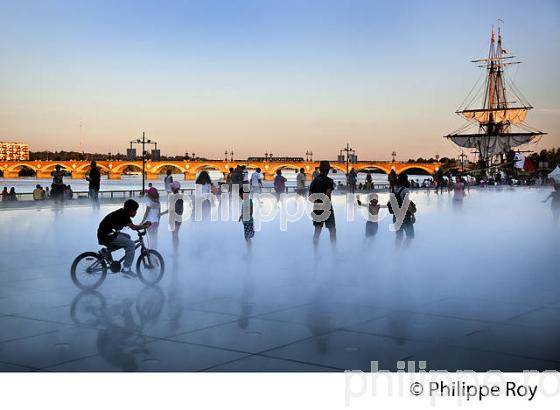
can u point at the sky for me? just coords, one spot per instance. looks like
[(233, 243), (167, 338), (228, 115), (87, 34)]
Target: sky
[(256, 76)]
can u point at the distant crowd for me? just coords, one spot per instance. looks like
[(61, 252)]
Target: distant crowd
[(40, 193)]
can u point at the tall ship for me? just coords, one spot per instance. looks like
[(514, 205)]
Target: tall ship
[(495, 110)]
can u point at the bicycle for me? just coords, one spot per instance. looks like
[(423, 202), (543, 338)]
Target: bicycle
[(89, 269)]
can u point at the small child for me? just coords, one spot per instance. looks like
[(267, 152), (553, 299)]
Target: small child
[(175, 187), (373, 213), (555, 195), (152, 215), (247, 216)]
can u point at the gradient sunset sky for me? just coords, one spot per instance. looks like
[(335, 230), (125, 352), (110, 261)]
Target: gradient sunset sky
[(264, 75)]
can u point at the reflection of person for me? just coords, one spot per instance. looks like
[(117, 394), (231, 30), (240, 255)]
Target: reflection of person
[(109, 234), (120, 338), (555, 204), (322, 184), (373, 214), (113, 340)]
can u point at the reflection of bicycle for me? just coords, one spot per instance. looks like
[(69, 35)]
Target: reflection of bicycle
[(89, 269), (89, 308), (120, 338)]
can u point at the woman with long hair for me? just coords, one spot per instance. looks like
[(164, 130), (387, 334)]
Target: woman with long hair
[(204, 187)]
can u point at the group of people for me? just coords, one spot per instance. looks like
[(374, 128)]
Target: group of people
[(40, 193), (323, 212), (10, 195)]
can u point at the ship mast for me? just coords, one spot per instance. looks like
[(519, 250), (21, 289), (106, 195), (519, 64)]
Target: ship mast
[(494, 120)]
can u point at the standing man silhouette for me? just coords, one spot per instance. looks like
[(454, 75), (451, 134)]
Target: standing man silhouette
[(324, 185), (94, 178)]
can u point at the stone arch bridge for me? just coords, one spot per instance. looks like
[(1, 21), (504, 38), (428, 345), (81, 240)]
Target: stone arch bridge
[(190, 169)]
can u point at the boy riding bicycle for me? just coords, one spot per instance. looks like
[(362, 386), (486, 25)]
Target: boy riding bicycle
[(109, 235)]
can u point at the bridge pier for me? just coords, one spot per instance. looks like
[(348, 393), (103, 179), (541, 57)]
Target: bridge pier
[(151, 176), (78, 175), (11, 174), (114, 175), (189, 176), (268, 176), (43, 175)]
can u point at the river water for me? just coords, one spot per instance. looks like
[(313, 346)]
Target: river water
[(128, 182)]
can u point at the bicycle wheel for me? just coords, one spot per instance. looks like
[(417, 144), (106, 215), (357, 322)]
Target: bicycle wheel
[(150, 266), (88, 270)]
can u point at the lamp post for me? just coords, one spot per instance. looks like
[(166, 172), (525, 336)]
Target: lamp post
[(143, 141), (394, 155), (347, 155), (462, 156), (225, 155)]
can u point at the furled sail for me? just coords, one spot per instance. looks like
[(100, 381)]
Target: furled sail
[(492, 145), (511, 115)]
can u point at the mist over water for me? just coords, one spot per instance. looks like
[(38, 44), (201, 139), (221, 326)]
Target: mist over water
[(497, 250), (497, 235)]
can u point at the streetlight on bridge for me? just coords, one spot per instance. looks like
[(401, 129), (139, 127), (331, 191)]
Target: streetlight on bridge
[(143, 141), (347, 155)]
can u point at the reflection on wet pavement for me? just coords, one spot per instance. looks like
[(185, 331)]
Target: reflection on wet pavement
[(477, 290)]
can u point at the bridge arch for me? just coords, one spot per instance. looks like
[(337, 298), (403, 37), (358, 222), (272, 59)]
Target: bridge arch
[(340, 167), (156, 169), (119, 168), (366, 168), (273, 169), (19, 166), (86, 167), (408, 169), (208, 166)]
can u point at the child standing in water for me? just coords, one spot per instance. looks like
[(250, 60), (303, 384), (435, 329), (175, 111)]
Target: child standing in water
[(152, 215), (373, 215), (175, 186), (555, 195), (247, 216)]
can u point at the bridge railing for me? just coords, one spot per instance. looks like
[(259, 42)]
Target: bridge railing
[(138, 193)]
